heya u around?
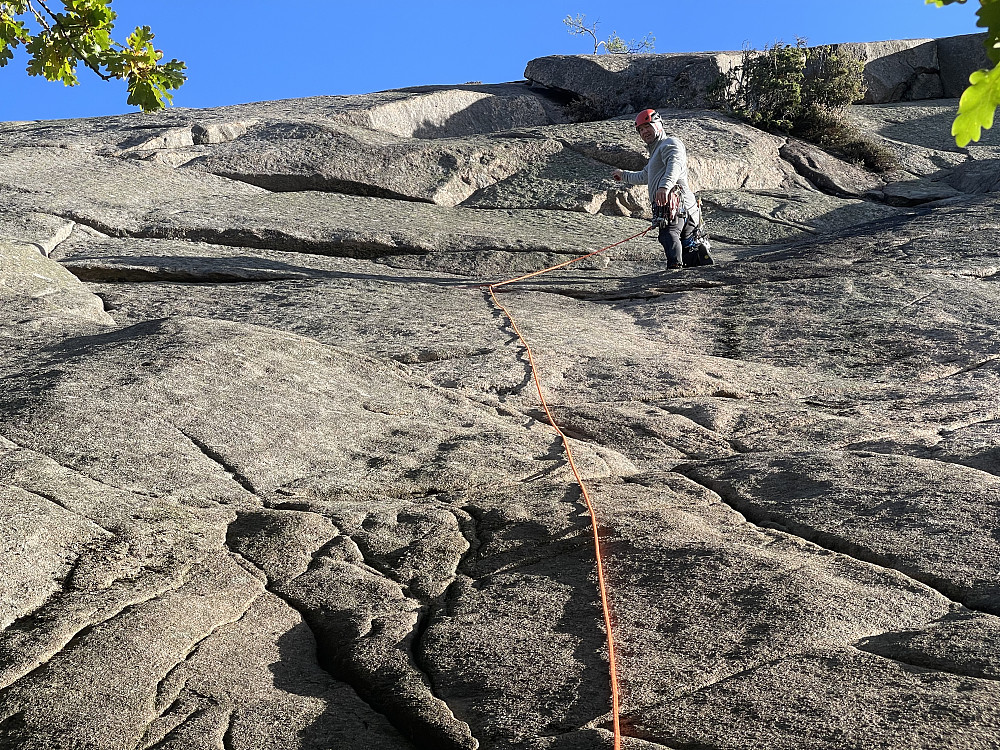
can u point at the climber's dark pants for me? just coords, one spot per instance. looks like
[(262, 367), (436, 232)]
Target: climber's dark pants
[(672, 237)]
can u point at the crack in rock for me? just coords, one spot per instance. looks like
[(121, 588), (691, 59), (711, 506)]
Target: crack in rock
[(924, 668), (119, 275), (964, 370), (16, 668), (217, 458), (57, 502), (191, 653), (265, 239), (404, 712), (830, 541), (667, 284), (227, 736), (79, 472)]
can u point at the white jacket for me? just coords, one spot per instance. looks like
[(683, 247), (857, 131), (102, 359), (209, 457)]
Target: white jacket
[(667, 166)]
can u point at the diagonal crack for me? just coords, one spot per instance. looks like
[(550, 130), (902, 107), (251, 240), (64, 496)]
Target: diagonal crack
[(191, 653), (59, 503), (175, 708), (967, 369), (730, 677), (925, 667), (832, 542), (173, 736), (217, 457), (391, 677), (252, 567), (326, 657), (79, 472), (758, 215), (573, 539), (15, 667)]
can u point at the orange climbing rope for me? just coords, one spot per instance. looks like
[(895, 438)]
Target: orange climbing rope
[(601, 583), (565, 263)]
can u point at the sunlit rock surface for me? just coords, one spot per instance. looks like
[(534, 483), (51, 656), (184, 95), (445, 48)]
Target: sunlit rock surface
[(274, 473)]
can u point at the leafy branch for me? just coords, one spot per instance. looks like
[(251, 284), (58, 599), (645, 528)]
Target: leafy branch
[(80, 33), (980, 100), (614, 44)]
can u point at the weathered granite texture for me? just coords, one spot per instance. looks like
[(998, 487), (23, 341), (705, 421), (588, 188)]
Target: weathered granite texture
[(274, 474), (612, 83), (894, 71)]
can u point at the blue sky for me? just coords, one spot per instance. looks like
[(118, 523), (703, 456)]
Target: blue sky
[(251, 50)]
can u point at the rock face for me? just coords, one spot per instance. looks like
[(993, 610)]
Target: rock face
[(894, 71), (274, 473), (612, 83)]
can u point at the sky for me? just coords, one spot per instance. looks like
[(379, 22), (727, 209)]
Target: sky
[(251, 50)]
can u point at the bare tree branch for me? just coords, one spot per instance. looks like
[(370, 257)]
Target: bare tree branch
[(614, 44)]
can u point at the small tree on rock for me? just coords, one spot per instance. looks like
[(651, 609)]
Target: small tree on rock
[(614, 44), (802, 91)]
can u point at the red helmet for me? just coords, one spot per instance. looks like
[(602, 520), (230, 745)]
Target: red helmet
[(647, 117)]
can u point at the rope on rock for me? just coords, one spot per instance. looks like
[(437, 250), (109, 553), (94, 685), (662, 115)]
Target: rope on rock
[(601, 583)]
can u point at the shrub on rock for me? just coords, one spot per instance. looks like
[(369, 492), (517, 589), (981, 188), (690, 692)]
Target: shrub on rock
[(802, 91)]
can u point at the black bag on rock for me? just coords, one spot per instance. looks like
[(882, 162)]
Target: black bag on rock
[(696, 247), (698, 253)]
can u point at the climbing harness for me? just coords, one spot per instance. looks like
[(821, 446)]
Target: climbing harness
[(665, 214), (601, 584)]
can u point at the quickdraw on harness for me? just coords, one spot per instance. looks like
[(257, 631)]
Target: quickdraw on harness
[(663, 215)]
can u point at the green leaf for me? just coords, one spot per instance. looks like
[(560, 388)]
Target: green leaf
[(81, 33), (53, 58), (977, 106), (12, 33), (989, 19)]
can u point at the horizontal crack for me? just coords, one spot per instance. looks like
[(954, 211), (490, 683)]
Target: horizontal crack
[(111, 275), (291, 183), (654, 741), (263, 239), (670, 283), (426, 356), (953, 430)]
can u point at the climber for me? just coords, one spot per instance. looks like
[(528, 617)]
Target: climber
[(676, 211)]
